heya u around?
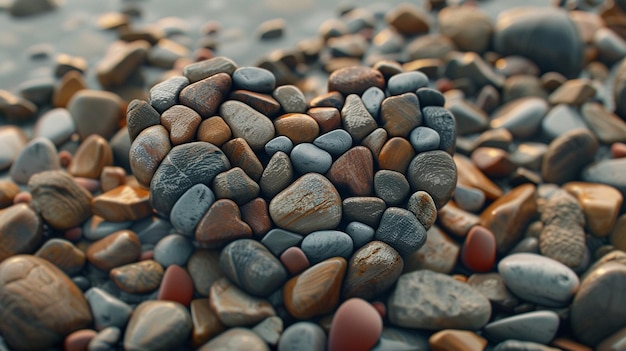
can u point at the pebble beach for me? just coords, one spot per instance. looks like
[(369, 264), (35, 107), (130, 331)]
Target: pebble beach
[(310, 176)]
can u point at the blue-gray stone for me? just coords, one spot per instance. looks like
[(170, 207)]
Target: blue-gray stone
[(401, 230), (152, 229), (324, 244), (278, 240), (190, 207), (430, 97), (165, 94), (443, 122), (56, 125), (517, 345), (303, 336), (435, 173), (173, 249), (536, 326), (560, 120), (107, 310), (424, 139), (82, 282), (406, 82), (308, 158), (254, 79), (280, 143), (290, 98), (372, 98), (335, 142), (100, 229), (139, 116), (391, 186), (39, 155), (252, 267), (610, 172), (360, 233)]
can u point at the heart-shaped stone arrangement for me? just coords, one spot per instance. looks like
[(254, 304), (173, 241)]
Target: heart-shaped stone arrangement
[(356, 174)]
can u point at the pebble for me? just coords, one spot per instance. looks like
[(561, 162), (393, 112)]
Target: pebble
[(492, 286), (468, 198), (278, 240), (214, 130), (328, 118), (181, 123), (176, 286), (291, 98), (365, 209), (280, 143), (264, 103), (111, 177), (597, 311), (271, 29), (375, 141), (493, 162), (567, 155), (407, 82), (121, 204), (508, 216), (353, 171), (529, 155), (433, 301), (372, 270), (190, 207), (70, 83), (608, 172), (442, 121), (256, 214), (57, 197), (356, 326), (372, 99), (184, 166), (158, 325), (108, 311), (240, 154), (396, 154), (138, 278), (538, 326), (235, 184), (204, 268), (206, 95), (423, 206), (543, 28), (573, 92), (355, 118), (424, 139), (401, 230), (93, 154), (255, 79), (294, 260), (612, 343), (236, 339), (105, 340), (115, 250), (56, 124), (514, 345), (324, 244), (315, 291), (618, 150), (278, 174), (360, 233), (96, 112), (408, 19), (165, 94), (28, 285), (39, 155), (400, 114), (63, 254), (120, 62), (355, 80), (96, 228), (269, 329), (310, 203), (560, 120), (206, 325), (245, 122), (298, 127), (336, 142), (8, 191), (434, 172), (302, 336), (391, 186), (79, 340), (204, 69), (479, 250), (221, 224), (469, 28), (539, 279), (21, 231), (439, 253), (606, 125), (236, 308), (16, 108), (469, 117), (13, 140), (173, 249), (522, 117), (139, 116)]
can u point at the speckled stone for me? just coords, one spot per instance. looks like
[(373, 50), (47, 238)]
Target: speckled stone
[(157, 325), (372, 270), (356, 119), (401, 230)]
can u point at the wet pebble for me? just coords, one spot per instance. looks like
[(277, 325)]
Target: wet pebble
[(479, 249), (205, 322), (106, 339), (453, 339), (63, 254), (21, 231), (12, 140), (203, 267), (355, 80), (560, 120), (121, 204)]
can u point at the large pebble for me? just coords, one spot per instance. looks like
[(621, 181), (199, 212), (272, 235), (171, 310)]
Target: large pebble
[(236, 339), (28, 287), (356, 326), (205, 96), (21, 231), (235, 308), (539, 279), (38, 155), (609, 172), (247, 123), (185, 166), (427, 300), (157, 325), (321, 245), (252, 267), (96, 112), (108, 311), (353, 171), (400, 114), (538, 326), (372, 270), (522, 117), (147, 151), (355, 80), (302, 336), (311, 203), (401, 230), (567, 155), (434, 172)]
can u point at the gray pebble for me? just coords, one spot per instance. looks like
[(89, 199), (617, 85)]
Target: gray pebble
[(536, 326), (560, 120), (235, 184), (151, 230), (391, 186), (364, 209), (435, 173), (277, 175), (356, 119), (610, 172), (521, 117), (424, 139), (107, 310), (165, 94), (255, 79), (139, 116), (37, 90), (469, 199), (96, 230), (269, 329), (82, 282), (280, 143), (430, 97), (56, 125), (303, 336), (443, 122), (190, 207), (278, 240), (406, 82), (38, 155), (106, 340), (401, 230), (335, 142), (324, 244), (517, 345), (173, 249), (291, 99), (307, 158), (360, 233), (372, 99)]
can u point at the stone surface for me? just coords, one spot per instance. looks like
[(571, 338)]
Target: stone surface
[(173, 249), (214, 130), (37, 156), (396, 154), (400, 114), (236, 308), (181, 122), (401, 230), (63, 254), (356, 326), (308, 158), (176, 286), (124, 203), (492, 286), (207, 68), (138, 278), (190, 207), (204, 268), (28, 285), (439, 253), (277, 175), (165, 94), (147, 151), (434, 172), (355, 80), (235, 184), (56, 125), (104, 121), (247, 123), (479, 249), (305, 336), (392, 187), (365, 209), (522, 117), (567, 155), (372, 270), (206, 325), (298, 127), (600, 204), (427, 300), (453, 339), (353, 171), (241, 155), (221, 224), (206, 95), (157, 325), (356, 119)]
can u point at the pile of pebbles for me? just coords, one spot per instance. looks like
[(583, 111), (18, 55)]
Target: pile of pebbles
[(410, 179)]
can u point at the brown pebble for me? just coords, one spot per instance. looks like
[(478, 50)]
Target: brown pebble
[(138, 278), (408, 19), (456, 340), (79, 340), (241, 155), (256, 214), (70, 83), (567, 155), (121, 61), (205, 96), (206, 325), (221, 224), (147, 151), (8, 191), (214, 130), (355, 80), (396, 154), (470, 176), (400, 114), (328, 118), (330, 99), (93, 154), (181, 123), (263, 103), (62, 254), (111, 177), (353, 171), (117, 249), (21, 231), (600, 203), (298, 127), (493, 162), (124, 203)]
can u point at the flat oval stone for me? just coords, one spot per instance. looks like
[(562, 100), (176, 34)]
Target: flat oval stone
[(372, 270), (316, 290), (539, 279), (324, 244), (597, 311), (307, 158), (522, 117), (291, 98), (479, 250), (247, 123), (353, 171), (396, 154), (434, 172), (280, 143), (538, 326), (302, 336), (356, 325), (21, 231), (115, 250), (37, 156), (56, 125), (185, 166), (206, 95), (57, 197), (165, 94), (173, 249), (236, 308), (567, 155), (355, 80), (356, 119), (406, 82), (238, 259), (207, 68), (107, 310), (147, 151), (236, 339), (401, 230), (298, 127), (96, 112), (255, 79), (311, 203), (157, 325), (28, 285), (190, 207), (138, 278), (335, 142)]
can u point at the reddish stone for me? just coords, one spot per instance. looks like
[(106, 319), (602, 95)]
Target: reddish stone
[(115, 250), (73, 234), (380, 307), (356, 326), (176, 286), (256, 214), (396, 154), (263, 103), (294, 260), (205, 96), (479, 251), (618, 150), (328, 118), (221, 224), (354, 171), (79, 340)]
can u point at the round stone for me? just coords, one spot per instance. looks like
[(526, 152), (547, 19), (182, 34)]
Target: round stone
[(434, 172), (406, 82), (356, 325), (321, 245), (424, 139), (21, 231), (176, 286), (173, 249)]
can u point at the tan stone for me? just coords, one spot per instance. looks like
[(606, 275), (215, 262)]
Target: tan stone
[(93, 154), (600, 203), (124, 203)]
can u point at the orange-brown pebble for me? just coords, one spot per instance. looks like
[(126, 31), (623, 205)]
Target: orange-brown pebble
[(65, 157), (124, 203), (176, 286), (460, 277), (120, 248), (111, 177), (206, 325), (73, 234), (600, 203), (214, 130), (93, 154), (618, 150), (479, 250), (79, 340), (70, 83), (221, 224), (457, 340), (470, 176), (298, 127), (241, 155), (256, 214), (295, 260), (396, 154), (8, 191), (181, 122), (328, 118), (22, 197), (493, 162), (138, 278)]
